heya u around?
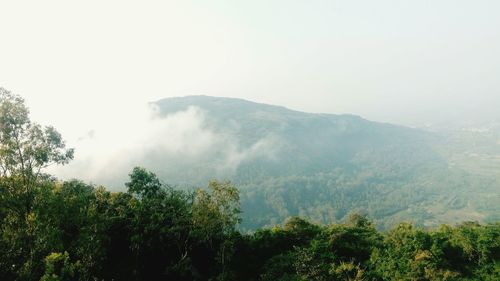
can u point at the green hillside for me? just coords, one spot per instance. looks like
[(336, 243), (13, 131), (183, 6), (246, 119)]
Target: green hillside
[(53, 230), (323, 166)]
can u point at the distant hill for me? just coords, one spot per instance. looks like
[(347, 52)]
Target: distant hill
[(324, 166), (301, 143)]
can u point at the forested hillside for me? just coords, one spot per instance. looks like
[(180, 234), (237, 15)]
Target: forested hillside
[(68, 230), (79, 232), (323, 166)]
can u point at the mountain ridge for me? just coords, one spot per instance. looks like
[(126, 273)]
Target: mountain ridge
[(316, 165), (319, 158), (190, 100)]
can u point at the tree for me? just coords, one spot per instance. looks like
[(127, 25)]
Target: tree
[(58, 268), (217, 212), (26, 148), (160, 226), (143, 183), (215, 216)]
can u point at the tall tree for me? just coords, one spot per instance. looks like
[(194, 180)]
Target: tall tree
[(215, 216), (26, 148)]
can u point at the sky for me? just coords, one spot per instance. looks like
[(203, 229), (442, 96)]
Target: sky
[(83, 65)]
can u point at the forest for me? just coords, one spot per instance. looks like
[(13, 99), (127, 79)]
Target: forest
[(71, 230)]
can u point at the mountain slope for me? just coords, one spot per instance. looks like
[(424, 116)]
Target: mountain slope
[(305, 143), (323, 166)]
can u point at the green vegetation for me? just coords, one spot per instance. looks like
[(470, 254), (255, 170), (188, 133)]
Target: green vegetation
[(152, 232), (323, 166), (53, 230)]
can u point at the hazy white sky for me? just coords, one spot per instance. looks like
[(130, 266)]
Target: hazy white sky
[(82, 64)]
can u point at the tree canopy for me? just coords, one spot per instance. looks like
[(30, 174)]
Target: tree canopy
[(52, 230)]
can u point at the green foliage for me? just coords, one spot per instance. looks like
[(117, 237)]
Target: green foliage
[(217, 210), (26, 149), (52, 230), (143, 183), (58, 268), (86, 233), (215, 216), (323, 166)]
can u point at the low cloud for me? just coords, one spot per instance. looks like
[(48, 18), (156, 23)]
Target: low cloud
[(183, 147)]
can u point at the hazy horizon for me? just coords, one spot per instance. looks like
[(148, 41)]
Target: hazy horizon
[(250, 140), (409, 63)]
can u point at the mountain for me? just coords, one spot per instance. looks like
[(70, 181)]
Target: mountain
[(323, 166), (286, 142), (320, 166)]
